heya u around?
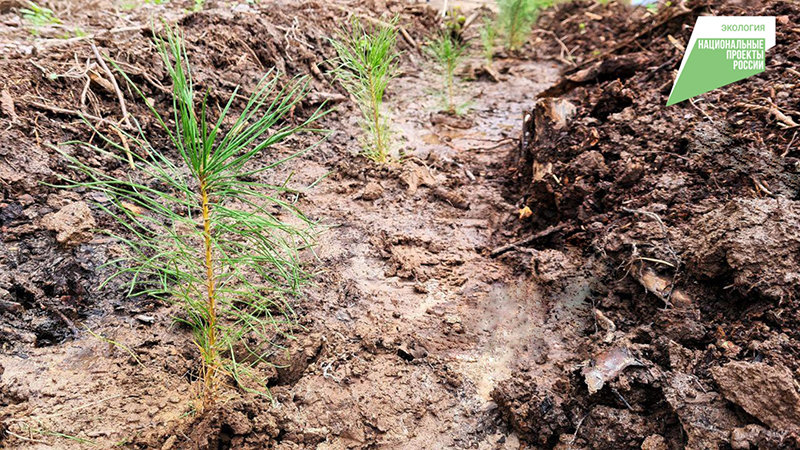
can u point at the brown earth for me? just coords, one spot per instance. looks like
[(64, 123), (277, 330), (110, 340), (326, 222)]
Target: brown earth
[(687, 218), (652, 292)]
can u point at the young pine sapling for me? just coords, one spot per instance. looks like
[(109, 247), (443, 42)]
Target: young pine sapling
[(447, 52), (488, 36), (516, 18), (366, 64), (38, 16), (200, 229)]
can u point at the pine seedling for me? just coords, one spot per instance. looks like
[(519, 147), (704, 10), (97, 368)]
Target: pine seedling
[(516, 18), (366, 64), (488, 37), (200, 230), (38, 16), (447, 52)]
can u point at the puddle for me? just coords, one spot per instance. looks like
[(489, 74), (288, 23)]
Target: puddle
[(517, 325)]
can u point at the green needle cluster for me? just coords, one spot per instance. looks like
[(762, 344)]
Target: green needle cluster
[(516, 18), (366, 64), (200, 230), (448, 53)]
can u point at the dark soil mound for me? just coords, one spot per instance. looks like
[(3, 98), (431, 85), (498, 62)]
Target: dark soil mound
[(689, 216)]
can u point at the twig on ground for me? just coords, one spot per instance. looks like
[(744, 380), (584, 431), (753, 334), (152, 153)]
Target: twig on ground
[(252, 53), (697, 382), (125, 145), (134, 70), (475, 14), (627, 405), (760, 186), (789, 147), (653, 72), (85, 91), (564, 48), (120, 97), (702, 111), (785, 120), (467, 172), (408, 37), (660, 261), (63, 318), (577, 429), (57, 110), (501, 143), (546, 232)]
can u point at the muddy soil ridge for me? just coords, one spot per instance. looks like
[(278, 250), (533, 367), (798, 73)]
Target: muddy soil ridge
[(687, 217)]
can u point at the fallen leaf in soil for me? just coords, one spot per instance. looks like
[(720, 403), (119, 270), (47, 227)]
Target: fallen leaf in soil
[(132, 208), (525, 212), (145, 319), (660, 287), (607, 366), (102, 82)]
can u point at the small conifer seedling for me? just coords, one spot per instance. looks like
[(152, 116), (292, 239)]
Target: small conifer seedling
[(366, 64), (488, 36), (447, 52), (38, 16), (516, 18), (201, 230)]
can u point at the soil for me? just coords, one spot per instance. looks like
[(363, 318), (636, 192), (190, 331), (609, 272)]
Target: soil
[(648, 300), (687, 219)]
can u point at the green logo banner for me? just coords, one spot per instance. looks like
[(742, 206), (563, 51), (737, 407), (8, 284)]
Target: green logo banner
[(721, 51)]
